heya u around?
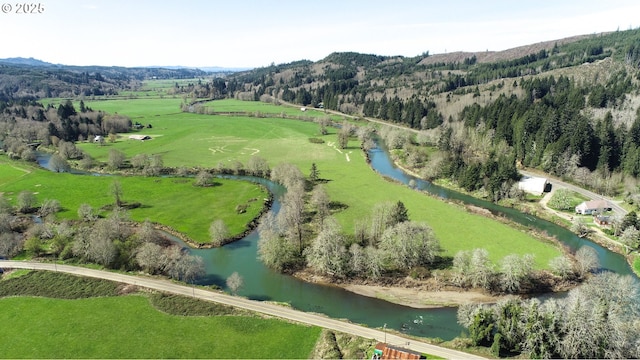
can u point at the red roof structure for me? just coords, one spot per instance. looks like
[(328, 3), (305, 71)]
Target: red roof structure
[(394, 352)]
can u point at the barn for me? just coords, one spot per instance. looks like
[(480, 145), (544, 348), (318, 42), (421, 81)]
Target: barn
[(533, 185), (140, 137)]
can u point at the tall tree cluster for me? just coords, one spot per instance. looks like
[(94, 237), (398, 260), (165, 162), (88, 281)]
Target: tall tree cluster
[(596, 320)]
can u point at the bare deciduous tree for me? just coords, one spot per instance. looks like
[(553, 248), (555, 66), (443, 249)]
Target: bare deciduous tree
[(287, 174), (515, 270), (49, 207), (5, 222), (258, 166), (218, 232), (147, 232), (115, 189), (327, 253), (10, 244), (291, 216), (25, 201), (154, 166), (139, 161), (151, 257), (409, 244), (115, 159), (630, 237), (579, 227), (101, 247), (182, 266), (375, 261), (275, 251), (380, 218), (586, 260), (5, 206), (357, 259), (235, 282), (320, 200), (58, 164), (561, 266), (203, 178), (86, 212)]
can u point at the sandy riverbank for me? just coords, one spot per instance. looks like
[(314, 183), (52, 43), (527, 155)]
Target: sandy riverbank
[(418, 298), (406, 291)]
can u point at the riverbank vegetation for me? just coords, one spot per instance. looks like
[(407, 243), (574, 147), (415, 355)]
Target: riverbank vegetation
[(558, 328)]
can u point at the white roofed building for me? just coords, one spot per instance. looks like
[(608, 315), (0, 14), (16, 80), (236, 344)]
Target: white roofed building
[(533, 185)]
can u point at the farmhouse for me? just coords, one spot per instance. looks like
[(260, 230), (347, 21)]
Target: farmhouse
[(590, 207), (139, 137), (533, 185)]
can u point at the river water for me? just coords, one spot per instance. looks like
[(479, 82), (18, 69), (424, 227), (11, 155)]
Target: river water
[(263, 284)]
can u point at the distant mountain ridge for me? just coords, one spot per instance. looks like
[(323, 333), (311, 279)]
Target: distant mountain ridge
[(26, 61), (40, 63)]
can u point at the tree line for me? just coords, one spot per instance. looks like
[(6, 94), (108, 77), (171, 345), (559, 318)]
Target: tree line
[(596, 320)]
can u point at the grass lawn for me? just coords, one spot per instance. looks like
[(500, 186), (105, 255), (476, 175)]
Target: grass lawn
[(171, 201), (206, 140), (129, 327), (566, 200)]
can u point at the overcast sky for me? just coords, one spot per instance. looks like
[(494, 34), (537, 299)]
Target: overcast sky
[(252, 33)]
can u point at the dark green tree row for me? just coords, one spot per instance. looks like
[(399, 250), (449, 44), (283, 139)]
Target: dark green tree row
[(412, 112), (547, 128)]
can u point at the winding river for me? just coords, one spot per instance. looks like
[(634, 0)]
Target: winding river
[(261, 283)]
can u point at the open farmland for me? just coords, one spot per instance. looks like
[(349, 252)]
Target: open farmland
[(129, 327), (174, 202), (186, 139)]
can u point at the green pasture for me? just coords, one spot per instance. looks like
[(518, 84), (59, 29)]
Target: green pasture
[(206, 140), (231, 105), (165, 84), (170, 201), (185, 139), (129, 327), (10, 173)]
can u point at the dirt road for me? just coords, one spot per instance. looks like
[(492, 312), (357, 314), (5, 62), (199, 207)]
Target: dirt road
[(257, 306)]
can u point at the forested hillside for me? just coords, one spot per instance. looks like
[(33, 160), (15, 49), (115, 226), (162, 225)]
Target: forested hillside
[(33, 79), (568, 107)]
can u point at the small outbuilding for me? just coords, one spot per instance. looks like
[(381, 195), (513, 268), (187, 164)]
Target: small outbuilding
[(386, 351), (602, 220), (140, 137), (533, 185), (593, 206)]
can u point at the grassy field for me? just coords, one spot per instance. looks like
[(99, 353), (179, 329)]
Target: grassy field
[(171, 201), (128, 327), (206, 140), (231, 105)]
